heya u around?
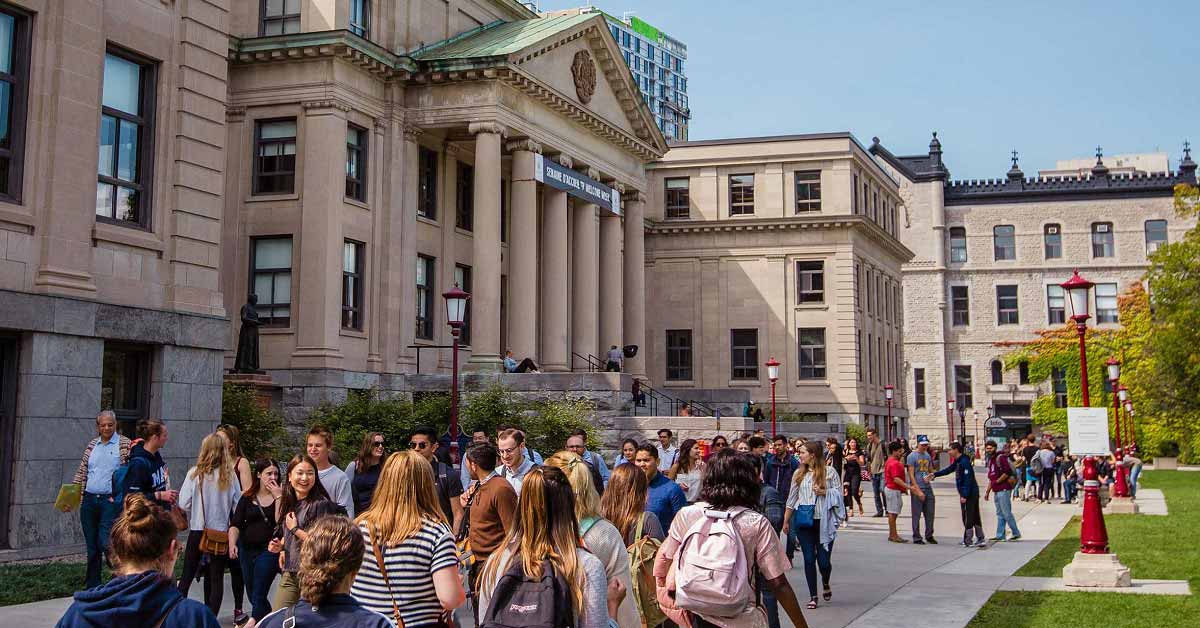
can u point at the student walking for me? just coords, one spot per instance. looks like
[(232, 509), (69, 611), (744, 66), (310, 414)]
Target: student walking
[(250, 532), (304, 500), (665, 497), (97, 508), (143, 551), (876, 456), (1001, 481), (814, 510), (919, 466), (363, 471), (488, 509), (852, 468), (624, 505), (688, 469), (410, 570), (968, 495), (208, 495)]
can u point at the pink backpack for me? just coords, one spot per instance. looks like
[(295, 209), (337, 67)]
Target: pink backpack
[(711, 574)]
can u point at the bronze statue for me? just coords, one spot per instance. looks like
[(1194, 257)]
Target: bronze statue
[(247, 351)]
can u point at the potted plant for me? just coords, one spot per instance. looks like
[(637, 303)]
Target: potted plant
[(1168, 455)]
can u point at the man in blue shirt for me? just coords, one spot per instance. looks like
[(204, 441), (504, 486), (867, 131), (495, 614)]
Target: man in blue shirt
[(778, 468), (968, 494), (97, 509), (664, 498), (591, 458), (920, 467), (514, 465)]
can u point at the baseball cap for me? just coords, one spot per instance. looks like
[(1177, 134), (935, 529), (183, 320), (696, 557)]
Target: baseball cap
[(922, 440)]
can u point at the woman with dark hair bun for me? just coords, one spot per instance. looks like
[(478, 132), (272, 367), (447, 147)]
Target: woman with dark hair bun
[(143, 550)]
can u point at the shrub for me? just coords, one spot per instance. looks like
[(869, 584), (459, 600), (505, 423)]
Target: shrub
[(364, 412), (490, 409), (260, 429), (551, 422), (858, 433), (1168, 449)]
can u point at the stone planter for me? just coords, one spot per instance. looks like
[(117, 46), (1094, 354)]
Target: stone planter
[(1166, 463)]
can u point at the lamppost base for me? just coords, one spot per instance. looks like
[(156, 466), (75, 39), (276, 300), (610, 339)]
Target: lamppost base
[(1121, 506), (1096, 570)]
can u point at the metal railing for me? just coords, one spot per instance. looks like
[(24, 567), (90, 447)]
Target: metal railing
[(594, 365), (655, 401)]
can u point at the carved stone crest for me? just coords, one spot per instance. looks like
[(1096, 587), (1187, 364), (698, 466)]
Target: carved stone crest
[(583, 69)]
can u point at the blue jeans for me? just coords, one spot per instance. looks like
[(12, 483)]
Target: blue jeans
[(1133, 478), (1004, 514), (767, 601), (815, 555), (877, 488), (259, 568), (96, 515)]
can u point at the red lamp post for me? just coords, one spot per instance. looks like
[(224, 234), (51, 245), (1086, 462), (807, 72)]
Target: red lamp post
[(1093, 535), (456, 308), (773, 375), (1121, 487), (889, 392)]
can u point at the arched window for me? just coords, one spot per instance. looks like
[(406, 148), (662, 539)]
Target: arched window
[(997, 373)]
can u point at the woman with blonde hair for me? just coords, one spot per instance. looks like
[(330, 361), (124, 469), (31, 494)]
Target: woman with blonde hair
[(599, 535), (329, 563), (208, 495), (545, 536), (410, 572), (624, 504), (813, 513)]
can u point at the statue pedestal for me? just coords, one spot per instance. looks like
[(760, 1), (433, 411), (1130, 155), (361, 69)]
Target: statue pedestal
[(262, 383), (1121, 506), (1096, 570)]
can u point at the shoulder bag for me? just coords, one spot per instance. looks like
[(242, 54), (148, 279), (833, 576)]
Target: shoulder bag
[(213, 542), (444, 621)]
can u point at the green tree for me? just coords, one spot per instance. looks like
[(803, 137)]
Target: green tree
[(259, 428), (364, 412)]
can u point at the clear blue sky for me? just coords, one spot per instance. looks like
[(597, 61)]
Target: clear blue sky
[(1050, 79)]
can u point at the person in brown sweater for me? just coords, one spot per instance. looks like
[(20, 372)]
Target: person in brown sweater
[(488, 507)]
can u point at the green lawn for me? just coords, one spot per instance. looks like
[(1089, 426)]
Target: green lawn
[(1152, 547), (33, 582)]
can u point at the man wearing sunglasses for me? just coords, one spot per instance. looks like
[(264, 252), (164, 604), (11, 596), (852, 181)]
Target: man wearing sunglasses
[(424, 441)]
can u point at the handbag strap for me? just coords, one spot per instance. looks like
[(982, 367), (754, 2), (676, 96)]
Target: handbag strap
[(376, 549), (637, 532), (200, 490)]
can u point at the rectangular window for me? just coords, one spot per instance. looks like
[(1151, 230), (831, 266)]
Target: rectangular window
[(896, 305), (1058, 382), (854, 193), (462, 279), (126, 140), (741, 194), (808, 191), (14, 85), (360, 18), (870, 292), (125, 383), (962, 386), (858, 302), (875, 206), (426, 298), (919, 387), (275, 156), (352, 285), (960, 304), (866, 196), (1156, 235), (1102, 239), (858, 354), (279, 17), (464, 206), (1007, 310), (743, 353), (271, 279), (1106, 303), (958, 244), (1056, 305), (810, 282), (870, 361), (1023, 372), (812, 352), (428, 184), (678, 198), (356, 163), (1004, 241), (1052, 239), (679, 354)]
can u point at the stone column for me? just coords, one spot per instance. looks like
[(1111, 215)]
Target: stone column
[(611, 279), (485, 297), (522, 260), (317, 290), (554, 281), (404, 193), (634, 285), (584, 281)]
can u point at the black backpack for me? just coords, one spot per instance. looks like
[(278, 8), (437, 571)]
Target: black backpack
[(518, 602)]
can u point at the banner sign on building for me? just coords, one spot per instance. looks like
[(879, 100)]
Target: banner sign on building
[(1087, 431), (579, 185), (995, 422)]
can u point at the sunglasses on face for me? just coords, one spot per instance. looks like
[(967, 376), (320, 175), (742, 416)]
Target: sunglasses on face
[(377, 443), (416, 445)]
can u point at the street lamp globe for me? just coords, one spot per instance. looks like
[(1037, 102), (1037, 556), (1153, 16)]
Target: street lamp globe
[(1123, 393), (456, 306), (1129, 406), (1114, 369), (1077, 289), (889, 392), (772, 370), (950, 405)]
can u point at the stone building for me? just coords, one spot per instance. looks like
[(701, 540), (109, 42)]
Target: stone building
[(989, 258), (377, 158), (112, 166), (783, 247)]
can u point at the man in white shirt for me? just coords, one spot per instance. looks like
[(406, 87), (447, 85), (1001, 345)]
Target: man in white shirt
[(335, 481), (667, 453), (514, 465), (616, 360)]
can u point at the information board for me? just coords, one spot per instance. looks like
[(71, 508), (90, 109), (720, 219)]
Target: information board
[(1087, 431), (576, 184)]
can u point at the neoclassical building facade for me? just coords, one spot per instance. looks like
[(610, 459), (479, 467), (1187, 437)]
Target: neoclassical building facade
[(989, 258), (777, 247), (375, 164)]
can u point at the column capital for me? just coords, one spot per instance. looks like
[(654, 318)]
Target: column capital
[(526, 144), (591, 172), (564, 160), (411, 131), (490, 126), (235, 114), (634, 196)]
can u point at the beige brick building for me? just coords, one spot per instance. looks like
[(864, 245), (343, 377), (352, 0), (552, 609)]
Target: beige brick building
[(112, 162), (781, 247), (989, 256)]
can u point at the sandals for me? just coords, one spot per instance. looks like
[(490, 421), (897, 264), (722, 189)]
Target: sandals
[(828, 595), (811, 604)]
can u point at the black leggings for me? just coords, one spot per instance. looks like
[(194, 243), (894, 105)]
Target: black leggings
[(1046, 487), (237, 581), (855, 492), (216, 572)]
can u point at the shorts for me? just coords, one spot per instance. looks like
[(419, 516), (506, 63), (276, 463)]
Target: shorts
[(892, 501)]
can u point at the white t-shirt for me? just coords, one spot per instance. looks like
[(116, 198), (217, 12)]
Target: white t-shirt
[(337, 484)]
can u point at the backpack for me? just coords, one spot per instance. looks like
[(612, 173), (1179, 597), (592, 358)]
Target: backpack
[(518, 602), (120, 478), (1035, 464), (641, 566), (711, 572)]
